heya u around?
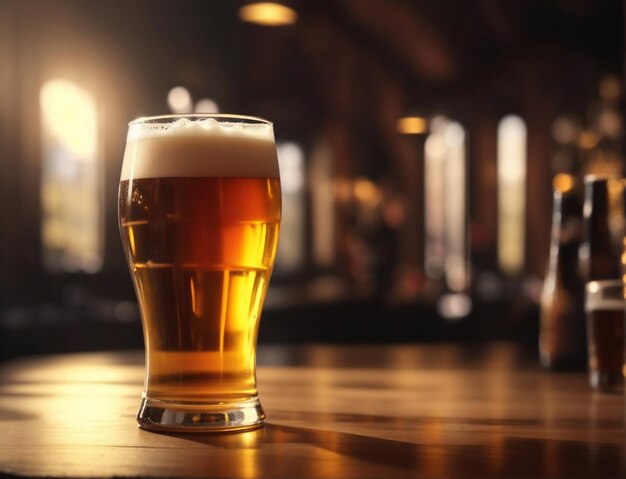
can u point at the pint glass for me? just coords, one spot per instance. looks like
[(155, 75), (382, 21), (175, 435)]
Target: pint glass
[(199, 213), (604, 304)]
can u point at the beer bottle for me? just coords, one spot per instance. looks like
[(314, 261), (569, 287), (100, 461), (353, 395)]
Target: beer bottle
[(599, 254), (562, 343)]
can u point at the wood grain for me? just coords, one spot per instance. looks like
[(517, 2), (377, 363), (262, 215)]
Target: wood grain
[(333, 412)]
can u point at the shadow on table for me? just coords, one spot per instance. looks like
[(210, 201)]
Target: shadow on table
[(501, 456), (11, 415)]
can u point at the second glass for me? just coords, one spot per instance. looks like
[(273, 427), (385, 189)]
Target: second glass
[(199, 212), (604, 304)]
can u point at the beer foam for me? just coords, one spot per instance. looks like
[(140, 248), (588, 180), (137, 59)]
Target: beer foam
[(192, 148), (602, 295)]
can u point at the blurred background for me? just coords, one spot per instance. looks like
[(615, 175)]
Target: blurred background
[(419, 145)]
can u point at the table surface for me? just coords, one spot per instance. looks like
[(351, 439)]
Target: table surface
[(332, 412)]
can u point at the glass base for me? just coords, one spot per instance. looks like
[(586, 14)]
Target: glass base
[(184, 417)]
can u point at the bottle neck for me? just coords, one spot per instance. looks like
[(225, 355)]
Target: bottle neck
[(599, 256)]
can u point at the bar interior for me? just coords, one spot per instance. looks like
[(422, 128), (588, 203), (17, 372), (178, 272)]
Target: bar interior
[(447, 298)]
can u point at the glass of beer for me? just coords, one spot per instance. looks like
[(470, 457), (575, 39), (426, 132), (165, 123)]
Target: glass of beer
[(199, 214), (604, 305)]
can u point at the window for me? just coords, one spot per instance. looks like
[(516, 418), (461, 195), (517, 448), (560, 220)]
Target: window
[(446, 203), (291, 248), (511, 194), (71, 189)]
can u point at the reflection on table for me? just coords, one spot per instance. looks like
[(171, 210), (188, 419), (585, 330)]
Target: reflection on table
[(333, 411)]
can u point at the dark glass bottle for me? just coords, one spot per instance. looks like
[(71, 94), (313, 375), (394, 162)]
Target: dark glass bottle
[(562, 343), (599, 253)]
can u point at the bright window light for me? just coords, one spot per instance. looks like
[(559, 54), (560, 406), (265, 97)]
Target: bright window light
[(434, 213), (456, 208), (446, 203), (291, 248), (511, 194), (71, 179), (179, 100)]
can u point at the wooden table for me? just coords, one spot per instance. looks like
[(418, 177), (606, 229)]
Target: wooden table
[(333, 412)]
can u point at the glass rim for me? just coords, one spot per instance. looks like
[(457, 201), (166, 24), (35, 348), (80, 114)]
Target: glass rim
[(605, 283), (606, 288), (170, 118)]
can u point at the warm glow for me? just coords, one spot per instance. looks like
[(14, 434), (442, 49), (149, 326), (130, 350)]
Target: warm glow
[(563, 182), (610, 88), (615, 187), (593, 287), (445, 197), (511, 193), (454, 306), (366, 192), (291, 163), (69, 114), (434, 214), (71, 179), (565, 130), (588, 140), (179, 100), (268, 13), (456, 208), (323, 204), (291, 248), (412, 125), (206, 105)]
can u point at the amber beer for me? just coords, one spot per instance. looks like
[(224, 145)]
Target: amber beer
[(604, 304), (199, 210)]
